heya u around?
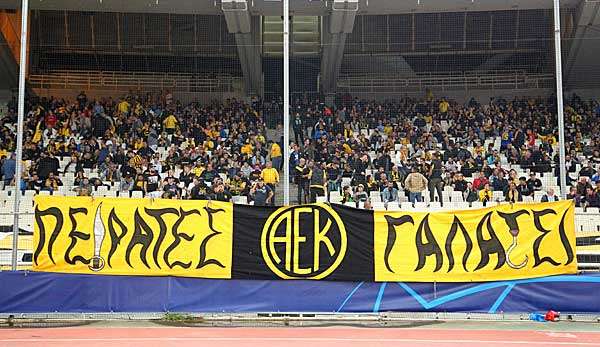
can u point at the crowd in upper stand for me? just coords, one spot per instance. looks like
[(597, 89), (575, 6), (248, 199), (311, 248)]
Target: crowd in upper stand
[(354, 151)]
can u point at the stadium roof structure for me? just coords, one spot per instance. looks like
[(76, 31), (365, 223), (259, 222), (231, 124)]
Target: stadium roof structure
[(274, 7)]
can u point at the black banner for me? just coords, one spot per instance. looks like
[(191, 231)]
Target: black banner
[(303, 242)]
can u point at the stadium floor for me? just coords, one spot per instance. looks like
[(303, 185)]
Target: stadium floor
[(451, 334)]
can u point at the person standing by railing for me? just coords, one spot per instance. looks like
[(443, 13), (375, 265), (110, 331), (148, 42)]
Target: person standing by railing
[(435, 178), (271, 177), (415, 183)]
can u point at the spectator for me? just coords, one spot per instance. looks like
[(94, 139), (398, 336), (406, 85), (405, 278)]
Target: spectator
[(512, 194), (435, 178), (596, 177), (534, 183), (220, 193), (523, 188), (302, 174), (590, 198), (499, 183), (140, 184), (389, 194), (85, 188), (318, 177), (360, 195), (8, 169), (480, 181), (334, 177), (415, 183), (171, 188), (276, 156), (470, 194), (126, 186), (582, 186), (270, 177), (347, 195), (261, 194), (459, 183), (550, 196), (574, 195), (485, 195)]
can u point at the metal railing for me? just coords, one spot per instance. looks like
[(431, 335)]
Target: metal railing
[(385, 83), (120, 80)]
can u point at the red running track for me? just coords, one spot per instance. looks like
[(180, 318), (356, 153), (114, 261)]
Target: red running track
[(288, 337)]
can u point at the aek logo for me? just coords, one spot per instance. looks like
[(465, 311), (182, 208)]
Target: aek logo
[(304, 242)]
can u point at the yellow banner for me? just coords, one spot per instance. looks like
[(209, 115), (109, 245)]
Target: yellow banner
[(133, 236), (498, 243)]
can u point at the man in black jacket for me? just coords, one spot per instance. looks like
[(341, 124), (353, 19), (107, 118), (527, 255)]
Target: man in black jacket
[(302, 175), (46, 165)]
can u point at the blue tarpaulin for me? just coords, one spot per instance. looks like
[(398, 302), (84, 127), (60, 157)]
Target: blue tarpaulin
[(30, 292)]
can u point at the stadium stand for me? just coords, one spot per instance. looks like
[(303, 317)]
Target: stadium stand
[(155, 145), (170, 107)]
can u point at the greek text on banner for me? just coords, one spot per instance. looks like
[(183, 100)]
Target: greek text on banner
[(499, 243), (133, 236)]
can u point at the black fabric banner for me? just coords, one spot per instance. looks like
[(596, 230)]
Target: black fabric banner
[(330, 242)]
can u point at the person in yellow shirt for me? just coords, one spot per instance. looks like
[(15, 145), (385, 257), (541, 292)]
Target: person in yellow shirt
[(247, 148), (388, 130), (347, 148), (209, 144), (170, 124), (138, 144), (276, 156), (123, 107), (198, 169), (443, 106), (486, 195), (271, 177), (64, 131)]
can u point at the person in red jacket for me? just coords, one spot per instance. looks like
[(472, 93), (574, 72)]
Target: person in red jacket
[(480, 181)]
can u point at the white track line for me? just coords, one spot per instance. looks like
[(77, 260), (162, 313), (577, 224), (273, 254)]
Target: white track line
[(301, 339)]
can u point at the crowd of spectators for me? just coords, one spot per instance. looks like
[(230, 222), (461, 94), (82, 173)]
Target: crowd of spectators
[(426, 145), (164, 148)]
